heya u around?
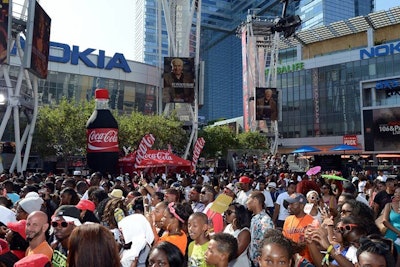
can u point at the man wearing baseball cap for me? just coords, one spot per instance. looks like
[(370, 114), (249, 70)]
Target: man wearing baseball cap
[(64, 220), (244, 193), (297, 222)]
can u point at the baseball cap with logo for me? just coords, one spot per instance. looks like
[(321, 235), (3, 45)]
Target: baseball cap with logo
[(294, 198)]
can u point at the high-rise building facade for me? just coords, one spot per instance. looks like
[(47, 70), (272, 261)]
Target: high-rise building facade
[(314, 13)]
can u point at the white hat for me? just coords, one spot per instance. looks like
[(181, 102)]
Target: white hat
[(32, 194), (272, 184), (31, 204), (77, 173)]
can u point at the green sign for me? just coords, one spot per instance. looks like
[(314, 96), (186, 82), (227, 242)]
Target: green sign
[(288, 68)]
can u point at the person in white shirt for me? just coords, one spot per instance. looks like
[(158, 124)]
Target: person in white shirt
[(244, 193), (280, 212)]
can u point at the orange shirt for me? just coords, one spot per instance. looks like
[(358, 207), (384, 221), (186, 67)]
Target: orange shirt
[(294, 229), (43, 248), (178, 240)]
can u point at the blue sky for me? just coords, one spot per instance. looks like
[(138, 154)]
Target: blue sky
[(106, 25)]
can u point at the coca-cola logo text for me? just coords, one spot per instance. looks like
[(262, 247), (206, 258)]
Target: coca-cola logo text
[(159, 156), (146, 143), (107, 137), (102, 140), (198, 147)]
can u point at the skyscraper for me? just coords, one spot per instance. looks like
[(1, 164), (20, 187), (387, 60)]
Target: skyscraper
[(314, 13)]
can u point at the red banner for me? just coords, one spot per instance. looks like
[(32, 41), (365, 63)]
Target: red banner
[(146, 143), (198, 147)]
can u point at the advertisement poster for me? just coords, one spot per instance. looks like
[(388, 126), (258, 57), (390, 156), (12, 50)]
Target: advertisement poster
[(4, 9), (178, 80), (266, 103), (382, 129), (38, 41)]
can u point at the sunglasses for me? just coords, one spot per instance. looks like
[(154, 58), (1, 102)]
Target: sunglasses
[(57, 224), (324, 187), (229, 212), (203, 192), (346, 228), (314, 198)]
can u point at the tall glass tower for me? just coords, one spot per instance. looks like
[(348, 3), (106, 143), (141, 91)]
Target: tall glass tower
[(314, 13)]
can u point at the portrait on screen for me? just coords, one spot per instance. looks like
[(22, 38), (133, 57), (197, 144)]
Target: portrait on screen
[(4, 5), (40, 42), (178, 80), (266, 104)]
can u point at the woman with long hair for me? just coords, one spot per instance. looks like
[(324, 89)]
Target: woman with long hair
[(328, 198), (92, 245), (239, 219), (391, 214), (174, 222)]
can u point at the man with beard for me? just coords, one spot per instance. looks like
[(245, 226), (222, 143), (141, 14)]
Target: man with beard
[(36, 227), (297, 222), (64, 220)]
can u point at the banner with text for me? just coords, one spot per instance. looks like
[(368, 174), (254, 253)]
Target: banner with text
[(146, 143), (198, 147)]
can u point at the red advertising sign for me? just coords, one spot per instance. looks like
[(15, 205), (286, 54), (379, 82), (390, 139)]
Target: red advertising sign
[(350, 140)]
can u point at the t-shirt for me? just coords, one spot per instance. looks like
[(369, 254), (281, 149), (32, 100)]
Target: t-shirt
[(294, 229), (216, 219), (196, 256), (59, 256), (43, 248), (178, 240), (283, 212)]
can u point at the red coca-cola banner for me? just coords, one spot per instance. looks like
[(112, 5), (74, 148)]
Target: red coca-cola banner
[(102, 140), (146, 143), (198, 147)]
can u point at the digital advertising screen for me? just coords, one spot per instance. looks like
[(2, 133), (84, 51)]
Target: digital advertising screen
[(382, 129), (266, 103), (38, 40), (4, 26), (178, 77)]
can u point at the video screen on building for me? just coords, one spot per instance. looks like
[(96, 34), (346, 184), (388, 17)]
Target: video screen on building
[(266, 103), (382, 129), (4, 11), (179, 74), (38, 41)]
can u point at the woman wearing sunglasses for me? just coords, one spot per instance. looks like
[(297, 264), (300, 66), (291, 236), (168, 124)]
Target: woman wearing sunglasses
[(329, 199), (238, 219), (391, 213), (313, 206), (341, 248)]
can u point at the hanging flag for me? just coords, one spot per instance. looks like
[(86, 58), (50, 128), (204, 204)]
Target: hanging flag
[(198, 147), (146, 143)]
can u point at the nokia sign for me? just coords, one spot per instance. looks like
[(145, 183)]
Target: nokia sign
[(73, 56), (380, 50)]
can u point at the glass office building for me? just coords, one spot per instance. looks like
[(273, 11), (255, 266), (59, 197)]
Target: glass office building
[(314, 13)]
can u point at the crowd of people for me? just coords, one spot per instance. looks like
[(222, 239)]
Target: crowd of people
[(275, 218)]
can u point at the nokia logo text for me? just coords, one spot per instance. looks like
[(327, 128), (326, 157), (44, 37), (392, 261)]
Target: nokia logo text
[(380, 50), (73, 56)]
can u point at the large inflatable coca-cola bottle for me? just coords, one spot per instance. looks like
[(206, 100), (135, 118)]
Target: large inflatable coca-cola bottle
[(102, 136)]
